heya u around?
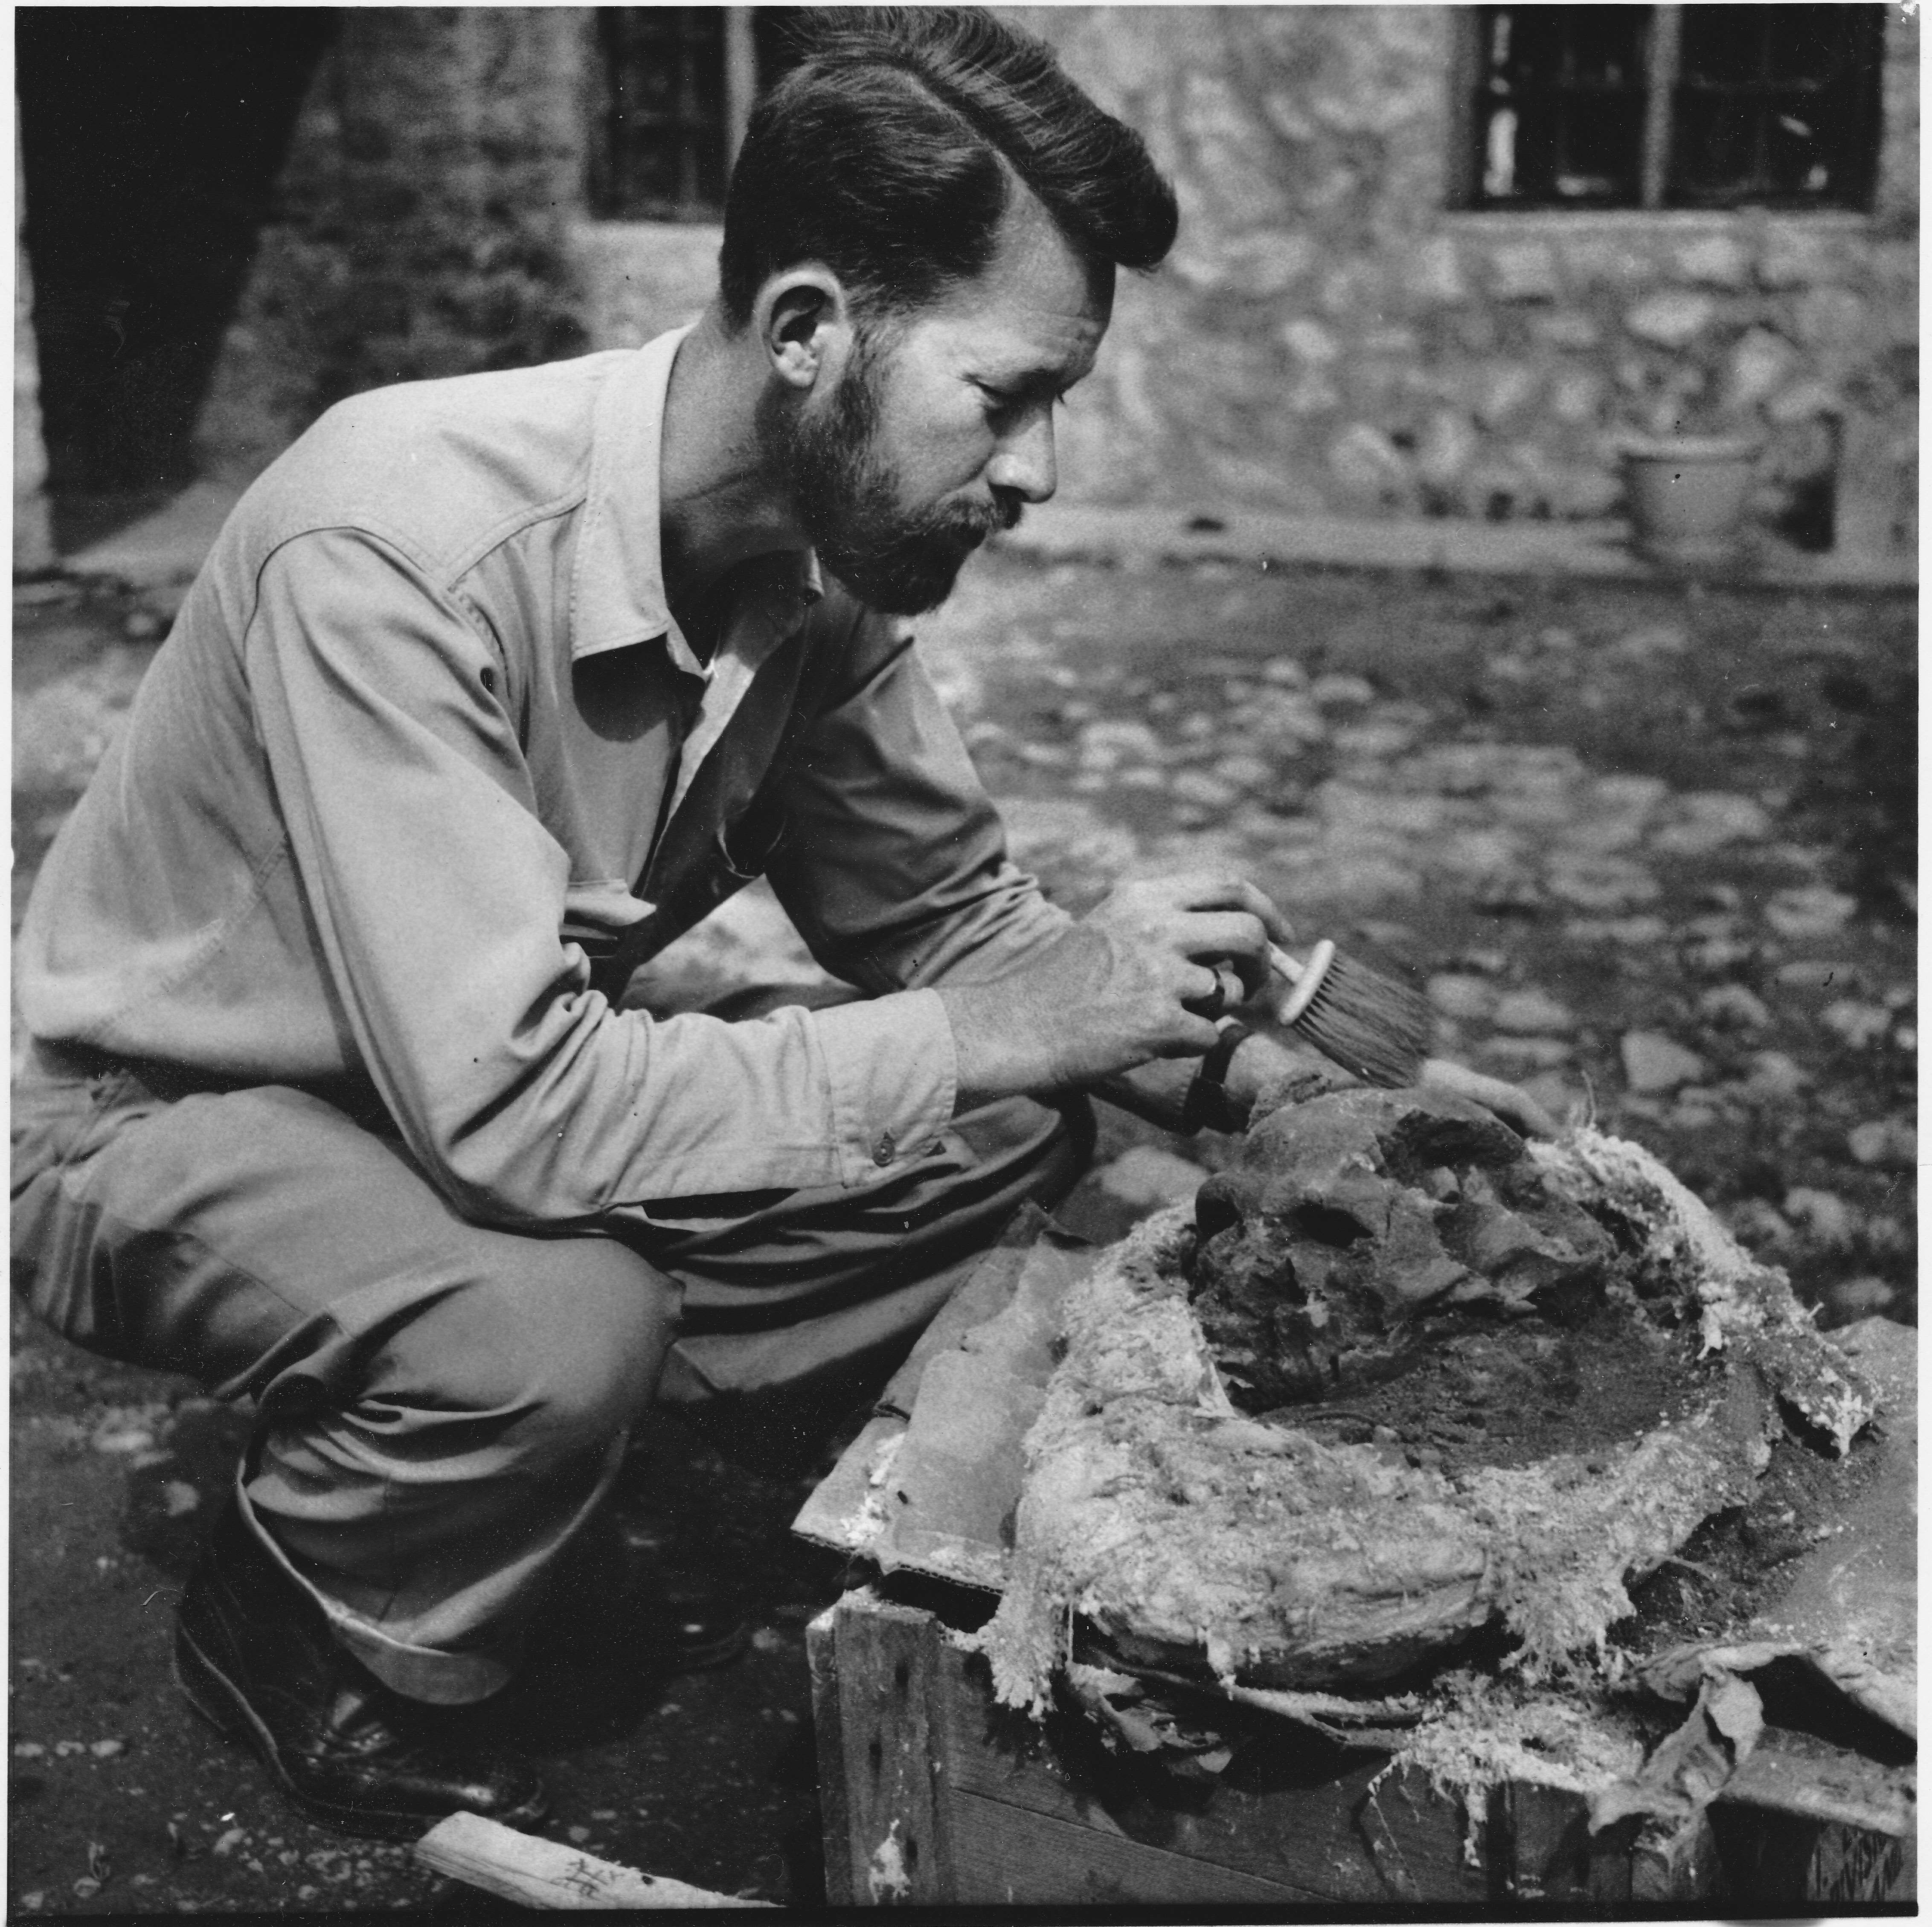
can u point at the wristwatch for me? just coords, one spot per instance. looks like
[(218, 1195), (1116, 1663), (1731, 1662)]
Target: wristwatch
[(1207, 1103)]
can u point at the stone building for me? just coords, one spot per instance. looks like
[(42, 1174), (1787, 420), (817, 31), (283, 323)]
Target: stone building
[(1433, 260)]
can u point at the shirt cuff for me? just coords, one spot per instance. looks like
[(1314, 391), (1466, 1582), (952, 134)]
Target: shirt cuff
[(894, 1077)]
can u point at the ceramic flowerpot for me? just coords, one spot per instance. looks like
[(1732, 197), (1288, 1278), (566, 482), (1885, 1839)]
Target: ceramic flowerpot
[(1687, 493)]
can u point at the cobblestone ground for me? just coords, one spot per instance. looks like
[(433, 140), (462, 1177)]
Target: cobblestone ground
[(1650, 850)]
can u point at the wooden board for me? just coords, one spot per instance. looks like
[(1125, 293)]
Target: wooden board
[(946, 1798), (933, 1795), (539, 1873), (929, 1485)]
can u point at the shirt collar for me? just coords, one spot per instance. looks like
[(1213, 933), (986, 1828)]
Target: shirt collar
[(617, 588)]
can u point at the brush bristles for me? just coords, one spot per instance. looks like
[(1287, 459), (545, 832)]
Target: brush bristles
[(1370, 1024)]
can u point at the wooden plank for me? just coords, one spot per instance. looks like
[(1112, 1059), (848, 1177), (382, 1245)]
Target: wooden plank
[(1328, 1826), (1543, 1851), (1674, 1868), (1796, 1773), (955, 1482), (486, 1854), (821, 1659), (1850, 1865), (985, 1294), (893, 1752), (1779, 1863), (831, 1517), (956, 1479), (1009, 1856), (951, 1798), (1802, 1822)]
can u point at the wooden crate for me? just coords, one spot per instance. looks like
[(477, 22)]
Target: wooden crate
[(933, 1795)]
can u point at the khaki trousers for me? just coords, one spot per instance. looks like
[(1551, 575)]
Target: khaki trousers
[(440, 1405)]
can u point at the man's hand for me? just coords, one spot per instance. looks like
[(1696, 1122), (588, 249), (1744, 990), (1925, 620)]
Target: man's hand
[(1260, 1062), (1126, 984), (1517, 1109)]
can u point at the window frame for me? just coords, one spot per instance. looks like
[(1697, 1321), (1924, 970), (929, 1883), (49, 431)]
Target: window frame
[(1663, 68), (608, 191)]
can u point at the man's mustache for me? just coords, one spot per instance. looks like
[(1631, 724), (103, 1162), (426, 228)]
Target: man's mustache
[(972, 523)]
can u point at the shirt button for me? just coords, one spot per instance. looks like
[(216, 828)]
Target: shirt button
[(885, 1150)]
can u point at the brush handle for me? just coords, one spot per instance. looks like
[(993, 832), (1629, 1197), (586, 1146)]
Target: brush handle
[(1306, 978)]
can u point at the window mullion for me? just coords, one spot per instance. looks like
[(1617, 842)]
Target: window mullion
[(741, 79), (1666, 38)]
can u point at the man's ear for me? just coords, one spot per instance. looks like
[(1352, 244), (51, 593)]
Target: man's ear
[(804, 324)]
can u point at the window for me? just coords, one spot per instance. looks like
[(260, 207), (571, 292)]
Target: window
[(678, 83), (1702, 106)]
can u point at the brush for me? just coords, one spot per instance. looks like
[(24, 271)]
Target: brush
[(1375, 1028)]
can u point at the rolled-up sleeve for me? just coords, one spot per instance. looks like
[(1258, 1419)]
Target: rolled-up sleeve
[(893, 863), (437, 898)]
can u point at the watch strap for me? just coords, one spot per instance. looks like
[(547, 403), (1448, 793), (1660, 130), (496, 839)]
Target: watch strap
[(1208, 1104)]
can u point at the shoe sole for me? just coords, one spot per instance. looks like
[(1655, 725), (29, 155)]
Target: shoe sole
[(225, 1707)]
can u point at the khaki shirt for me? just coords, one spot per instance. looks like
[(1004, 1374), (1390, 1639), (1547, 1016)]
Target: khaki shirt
[(425, 768)]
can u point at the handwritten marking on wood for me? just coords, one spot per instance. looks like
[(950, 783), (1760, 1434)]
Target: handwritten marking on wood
[(544, 1873)]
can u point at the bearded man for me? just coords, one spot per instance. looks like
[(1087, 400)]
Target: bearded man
[(490, 689)]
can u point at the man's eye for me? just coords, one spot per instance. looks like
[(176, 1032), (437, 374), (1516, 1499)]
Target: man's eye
[(1006, 401)]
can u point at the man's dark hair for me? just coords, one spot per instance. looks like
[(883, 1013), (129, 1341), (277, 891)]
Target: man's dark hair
[(890, 152)]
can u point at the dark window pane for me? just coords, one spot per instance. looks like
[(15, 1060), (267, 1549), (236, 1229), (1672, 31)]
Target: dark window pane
[(664, 122), (1776, 105), (1715, 143), (1560, 120), (1806, 43), (1605, 46), (1801, 158), (1724, 46), (1543, 48), (1602, 140)]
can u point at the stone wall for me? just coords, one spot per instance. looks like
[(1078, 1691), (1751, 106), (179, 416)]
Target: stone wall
[(1327, 337), (421, 222), (635, 278)]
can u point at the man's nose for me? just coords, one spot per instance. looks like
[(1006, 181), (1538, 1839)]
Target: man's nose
[(1024, 463)]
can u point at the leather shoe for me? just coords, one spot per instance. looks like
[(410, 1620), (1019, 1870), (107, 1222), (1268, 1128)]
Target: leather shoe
[(255, 1657)]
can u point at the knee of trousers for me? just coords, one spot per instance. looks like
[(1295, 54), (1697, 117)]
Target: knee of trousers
[(559, 1356)]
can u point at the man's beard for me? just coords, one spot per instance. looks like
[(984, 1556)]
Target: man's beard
[(900, 561)]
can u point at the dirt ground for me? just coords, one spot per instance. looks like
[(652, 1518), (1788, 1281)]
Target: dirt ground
[(1651, 849)]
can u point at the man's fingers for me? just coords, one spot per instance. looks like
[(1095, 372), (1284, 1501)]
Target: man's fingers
[(1212, 935), (1516, 1107), (1258, 903), (1194, 1036), (1216, 890), (1224, 989)]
